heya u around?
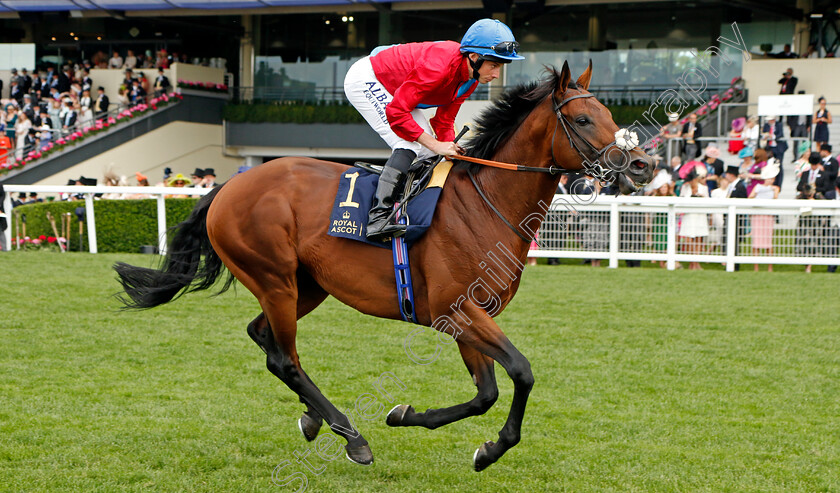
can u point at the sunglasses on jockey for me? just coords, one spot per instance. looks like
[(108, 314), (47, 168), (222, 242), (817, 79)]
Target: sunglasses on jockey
[(505, 48)]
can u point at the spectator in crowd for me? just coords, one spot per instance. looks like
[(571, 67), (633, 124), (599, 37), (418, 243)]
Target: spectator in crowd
[(86, 117), (811, 51), (179, 181), (162, 59), (671, 133), (25, 81), (814, 176), (774, 133), (65, 78), (136, 94), (735, 189), (716, 220), (55, 112), (594, 225), (116, 60), (762, 224), (834, 227), (130, 60), (803, 163), (197, 176), (714, 166), (209, 180), (142, 181), (690, 132), (86, 100), (86, 81), (11, 121), (144, 82), (100, 106), (123, 100), (674, 168), (788, 82), (829, 167), (15, 92), (22, 127), (51, 78), (753, 172), (129, 78), (45, 131), (786, 53), (69, 117), (695, 226), (27, 107), (751, 133), (662, 185), (822, 118), (161, 83), (736, 139), (808, 232)]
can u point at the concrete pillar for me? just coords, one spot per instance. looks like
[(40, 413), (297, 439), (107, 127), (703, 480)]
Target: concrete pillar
[(246, 56), (802, 29), (597, 28), (385, 16)]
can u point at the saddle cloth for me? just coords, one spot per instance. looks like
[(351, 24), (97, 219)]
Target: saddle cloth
[(356, 188)]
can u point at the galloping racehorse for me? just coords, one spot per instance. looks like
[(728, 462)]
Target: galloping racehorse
[(269, 228)]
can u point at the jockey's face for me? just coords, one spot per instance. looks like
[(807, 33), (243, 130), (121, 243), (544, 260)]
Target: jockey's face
[(488, 71)]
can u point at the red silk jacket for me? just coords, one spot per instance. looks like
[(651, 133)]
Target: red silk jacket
[(420, 74)]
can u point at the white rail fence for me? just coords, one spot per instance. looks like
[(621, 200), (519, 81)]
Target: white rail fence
[(89, 193), (803, 232)]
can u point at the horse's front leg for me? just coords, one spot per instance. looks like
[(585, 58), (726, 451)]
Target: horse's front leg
[(481, 369), (485, 336)]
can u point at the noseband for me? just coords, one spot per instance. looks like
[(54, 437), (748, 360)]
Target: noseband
[(592, 167)]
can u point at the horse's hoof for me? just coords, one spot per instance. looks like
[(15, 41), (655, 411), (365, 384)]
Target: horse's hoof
[(481, 457), (309, 427), (360, 455), (396, 415)]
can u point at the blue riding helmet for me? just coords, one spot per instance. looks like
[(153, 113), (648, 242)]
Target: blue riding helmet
[(492, 40)]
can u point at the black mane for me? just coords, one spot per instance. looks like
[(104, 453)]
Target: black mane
[(497, 122)]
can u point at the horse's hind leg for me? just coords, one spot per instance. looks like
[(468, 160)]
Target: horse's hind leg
[(481, 369), (310, 295), (259, 330)]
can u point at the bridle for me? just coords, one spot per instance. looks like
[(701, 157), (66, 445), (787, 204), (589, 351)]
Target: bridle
[(590, 167)]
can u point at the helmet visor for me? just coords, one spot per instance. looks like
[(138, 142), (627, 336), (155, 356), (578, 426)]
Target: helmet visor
[(505, 48)]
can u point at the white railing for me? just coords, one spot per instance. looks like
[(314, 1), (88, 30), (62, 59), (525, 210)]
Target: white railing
[(803, 232), (158, 192)]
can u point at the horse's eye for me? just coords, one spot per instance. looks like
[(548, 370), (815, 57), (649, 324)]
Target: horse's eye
[(582, 121)]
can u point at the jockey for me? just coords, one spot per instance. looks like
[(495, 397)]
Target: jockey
[(392, 85)]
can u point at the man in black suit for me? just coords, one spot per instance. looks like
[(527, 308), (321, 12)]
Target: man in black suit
[(814, 177), (788, 82), (100, 106), (87, 82), (161, 83), (691, 131), (15, 91), (830, 168), (736, 190), (25, 81), (64, 80), (774, 132)]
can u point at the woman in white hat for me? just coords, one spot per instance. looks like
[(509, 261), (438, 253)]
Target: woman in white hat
[(762, 225)]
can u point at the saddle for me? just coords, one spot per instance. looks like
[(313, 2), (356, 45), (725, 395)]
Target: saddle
[(418, 176)]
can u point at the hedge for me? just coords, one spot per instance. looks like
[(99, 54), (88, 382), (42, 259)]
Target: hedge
[(121, 225), (291, 112)]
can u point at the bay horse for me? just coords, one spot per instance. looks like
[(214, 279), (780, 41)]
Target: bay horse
[(268, 227)]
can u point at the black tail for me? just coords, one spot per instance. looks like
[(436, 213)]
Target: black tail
[(181, 268)]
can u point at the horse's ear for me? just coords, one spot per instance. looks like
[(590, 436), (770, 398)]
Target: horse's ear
[(564, 78), (585, 77)]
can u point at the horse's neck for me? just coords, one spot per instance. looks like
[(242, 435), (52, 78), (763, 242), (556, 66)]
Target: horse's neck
[(522, 197)]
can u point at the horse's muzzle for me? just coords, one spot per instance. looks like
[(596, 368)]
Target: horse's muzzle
[(637, 174)]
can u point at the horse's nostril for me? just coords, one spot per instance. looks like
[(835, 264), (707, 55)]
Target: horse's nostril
[(640, 163)]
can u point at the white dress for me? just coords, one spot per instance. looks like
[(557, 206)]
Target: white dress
[(716, 230), (694, 225)]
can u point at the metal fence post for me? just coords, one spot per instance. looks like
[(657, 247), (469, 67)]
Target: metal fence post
[(731, 238), (91, 223), (671, 251), (161, 217), (614, 235)]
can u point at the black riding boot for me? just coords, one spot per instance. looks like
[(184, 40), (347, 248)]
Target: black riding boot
[(387, 192)]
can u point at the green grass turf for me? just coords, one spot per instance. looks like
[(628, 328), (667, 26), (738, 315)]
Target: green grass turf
[(646, 380)]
